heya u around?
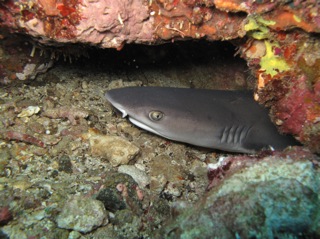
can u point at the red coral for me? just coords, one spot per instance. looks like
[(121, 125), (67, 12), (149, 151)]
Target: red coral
[(227, 166), (5, 215), (298, 107), (65, 10), (14, 135)]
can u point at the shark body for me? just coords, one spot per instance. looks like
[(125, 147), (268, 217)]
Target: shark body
[(225, 120)]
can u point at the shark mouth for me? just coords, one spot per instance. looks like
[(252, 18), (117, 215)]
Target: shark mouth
[(136, 122), (118, 107), (143, 126)]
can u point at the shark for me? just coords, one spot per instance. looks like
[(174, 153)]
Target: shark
[(225, 120)]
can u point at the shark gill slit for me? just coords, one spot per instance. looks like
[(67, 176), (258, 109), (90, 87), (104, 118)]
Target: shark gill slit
[(230, 135), (244, 133), (224, 134), (243, 130), (234, 134)]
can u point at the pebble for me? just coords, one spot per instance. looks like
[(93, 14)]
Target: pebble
[(141, 178), (13, 232), (172, 190), (4, 160), (22, 184), (82, 215), (28, 71), (65, 164), (115, 149), (111, 199), (129, 129), (120, 84), (75, 235), (29, 111), (84, 85), (36, 127), (163, 170)]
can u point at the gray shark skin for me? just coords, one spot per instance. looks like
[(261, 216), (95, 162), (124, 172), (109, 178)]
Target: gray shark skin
[(225, 120)]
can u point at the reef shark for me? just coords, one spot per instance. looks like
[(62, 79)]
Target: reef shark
[(226, 120)]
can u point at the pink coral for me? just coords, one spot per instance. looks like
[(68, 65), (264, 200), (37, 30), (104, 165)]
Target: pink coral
[(123, 189), (139, 193), (292, 109), (72, 114)]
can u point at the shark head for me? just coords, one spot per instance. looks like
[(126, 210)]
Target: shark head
[(152, 110)]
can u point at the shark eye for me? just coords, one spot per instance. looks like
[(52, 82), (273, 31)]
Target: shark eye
[(155, 115)]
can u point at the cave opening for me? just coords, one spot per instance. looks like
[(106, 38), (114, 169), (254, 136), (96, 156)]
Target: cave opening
[(193, 64)]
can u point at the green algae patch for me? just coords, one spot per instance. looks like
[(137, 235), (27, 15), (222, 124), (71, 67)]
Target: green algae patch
[(257, 27), (271, 63)]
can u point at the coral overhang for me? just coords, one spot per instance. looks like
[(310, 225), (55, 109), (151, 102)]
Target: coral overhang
[(279, 40)]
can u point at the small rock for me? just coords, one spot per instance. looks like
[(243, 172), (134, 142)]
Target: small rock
[(3, 236), (27, 71), (120, 192), (123, 217), (163, 170), (129, 129), (111, 199), (138, 175), (22, 184), (74, 235), (158, 183), (29, 111), (13, 232), (36, 127), (107, 232), (65, 164), (114, 148), (120, 84), (84, 85), (4, 160), (82, 214), (172, 190)]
